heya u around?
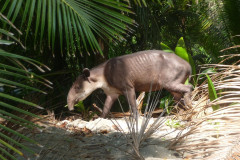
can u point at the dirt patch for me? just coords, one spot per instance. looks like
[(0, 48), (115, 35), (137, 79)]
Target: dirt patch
[(98, 139)]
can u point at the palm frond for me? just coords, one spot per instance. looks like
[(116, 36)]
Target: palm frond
[(15, 75), (214, 135), (231, 16), (75, 23)]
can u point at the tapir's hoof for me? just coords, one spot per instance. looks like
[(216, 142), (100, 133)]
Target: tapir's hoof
[(187, 101), (103, 116), (188, 105)]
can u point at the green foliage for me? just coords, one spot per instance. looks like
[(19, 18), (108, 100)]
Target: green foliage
[(85, 111), (200, 55), (165, 48), (70, 24), (199, 22), (207, 71), (231, 16), (212, 92), (140, 2), (181, 51), (173, 123), (15, 75), (144, 3), (165, 103)]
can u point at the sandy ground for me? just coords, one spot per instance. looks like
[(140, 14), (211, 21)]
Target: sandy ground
[(98, 139)]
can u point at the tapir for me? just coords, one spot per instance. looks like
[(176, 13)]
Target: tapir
[(125, 75)]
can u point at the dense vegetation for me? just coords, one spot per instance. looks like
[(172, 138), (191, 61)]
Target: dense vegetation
[(68, 35)]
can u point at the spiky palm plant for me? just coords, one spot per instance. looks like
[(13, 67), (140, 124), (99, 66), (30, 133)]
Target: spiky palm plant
[(140, 128), (15, 79)]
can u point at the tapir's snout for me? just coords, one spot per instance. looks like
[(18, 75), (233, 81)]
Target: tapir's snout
[(70, 105), (70, 101), (70, 108)]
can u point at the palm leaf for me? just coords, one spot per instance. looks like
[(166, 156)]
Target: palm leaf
[(214, 134), (5, 42), (13, 74), (181, 51), (78, 20), (231, 15), (166, 48)]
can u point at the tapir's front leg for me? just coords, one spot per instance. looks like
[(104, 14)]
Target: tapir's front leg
[(108, 104)]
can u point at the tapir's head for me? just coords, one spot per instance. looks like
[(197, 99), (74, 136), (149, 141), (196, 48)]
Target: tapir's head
[(84, 85)]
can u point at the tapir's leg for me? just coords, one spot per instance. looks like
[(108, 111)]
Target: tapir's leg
[(108, 104), (131, 97), (187, 99), (182, 89), (177, 96), (178, 100)]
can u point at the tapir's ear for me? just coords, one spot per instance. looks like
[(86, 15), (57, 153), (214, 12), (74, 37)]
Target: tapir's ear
[(86, 72)]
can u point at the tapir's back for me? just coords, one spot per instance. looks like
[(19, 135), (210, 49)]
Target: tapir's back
[(141, 69)]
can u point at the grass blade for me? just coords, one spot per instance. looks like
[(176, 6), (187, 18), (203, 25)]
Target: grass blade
[(212, 92)]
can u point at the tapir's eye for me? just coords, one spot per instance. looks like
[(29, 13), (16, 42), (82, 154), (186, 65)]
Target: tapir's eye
[(77, 88)]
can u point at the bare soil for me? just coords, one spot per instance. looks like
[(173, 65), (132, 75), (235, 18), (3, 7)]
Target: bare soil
[(97, 139)]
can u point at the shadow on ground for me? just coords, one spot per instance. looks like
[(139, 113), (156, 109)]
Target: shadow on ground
[(60, 144)]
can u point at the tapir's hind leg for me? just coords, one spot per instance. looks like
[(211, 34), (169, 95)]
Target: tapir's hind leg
[(177, 96), (178, 90), (187, 98)]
